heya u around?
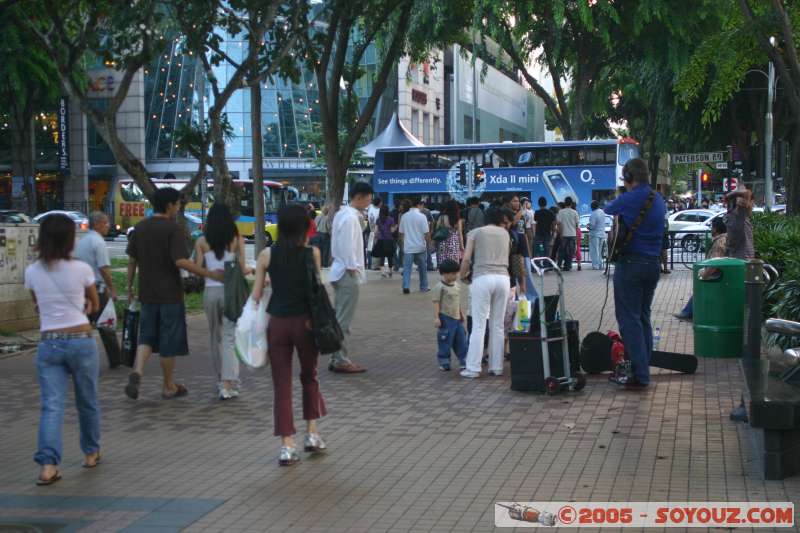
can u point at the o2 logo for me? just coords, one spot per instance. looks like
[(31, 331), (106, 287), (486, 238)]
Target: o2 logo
[(587, 177)]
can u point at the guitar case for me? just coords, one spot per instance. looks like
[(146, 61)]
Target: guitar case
[(595, 356)]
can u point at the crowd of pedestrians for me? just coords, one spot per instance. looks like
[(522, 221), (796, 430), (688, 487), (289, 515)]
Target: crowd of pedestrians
[(482, 255)]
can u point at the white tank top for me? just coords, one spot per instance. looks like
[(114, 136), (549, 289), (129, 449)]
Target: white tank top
[(212, 263)]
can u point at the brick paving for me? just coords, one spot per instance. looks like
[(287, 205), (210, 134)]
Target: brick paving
[(411, 448)]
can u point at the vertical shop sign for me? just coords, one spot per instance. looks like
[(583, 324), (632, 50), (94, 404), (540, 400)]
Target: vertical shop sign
[(63, 136)]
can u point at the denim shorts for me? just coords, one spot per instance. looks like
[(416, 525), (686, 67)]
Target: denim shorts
[(163, 328)]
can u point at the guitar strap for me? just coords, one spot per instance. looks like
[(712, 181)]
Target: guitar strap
[(639, 219)]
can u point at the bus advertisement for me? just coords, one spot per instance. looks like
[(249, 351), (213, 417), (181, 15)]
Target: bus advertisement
[(131, 205), (582, 170)]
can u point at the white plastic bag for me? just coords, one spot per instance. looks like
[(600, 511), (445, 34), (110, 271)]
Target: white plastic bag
[(250, 336), (108, 318)]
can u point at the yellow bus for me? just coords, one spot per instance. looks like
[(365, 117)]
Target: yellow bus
[(131, 205)]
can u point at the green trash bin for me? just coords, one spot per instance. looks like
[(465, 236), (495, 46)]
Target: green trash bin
[(719, 308)]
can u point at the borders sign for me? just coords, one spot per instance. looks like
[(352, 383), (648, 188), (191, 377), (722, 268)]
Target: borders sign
[(700, 157)]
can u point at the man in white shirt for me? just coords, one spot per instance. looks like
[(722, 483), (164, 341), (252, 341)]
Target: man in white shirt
[(373, 212), (415, 235), (93, 251), (568, 220), (347, 270), (597, 234)]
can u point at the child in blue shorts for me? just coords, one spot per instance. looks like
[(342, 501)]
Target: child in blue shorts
[(450, 332)]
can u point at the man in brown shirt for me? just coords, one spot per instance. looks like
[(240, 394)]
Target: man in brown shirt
[(157, 247)]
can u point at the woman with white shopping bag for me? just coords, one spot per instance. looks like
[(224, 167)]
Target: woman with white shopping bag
[(289, 328), (220, 243)]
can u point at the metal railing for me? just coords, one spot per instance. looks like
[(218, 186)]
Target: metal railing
[(685, 248)]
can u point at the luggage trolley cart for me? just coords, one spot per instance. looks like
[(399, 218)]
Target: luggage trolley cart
[(553, 384)]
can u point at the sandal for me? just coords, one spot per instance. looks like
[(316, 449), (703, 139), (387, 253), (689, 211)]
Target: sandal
[(97, 460), (180, 391), (49, 481), (132, 388)]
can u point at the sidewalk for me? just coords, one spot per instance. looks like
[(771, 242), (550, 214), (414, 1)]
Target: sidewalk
[(410, 448)]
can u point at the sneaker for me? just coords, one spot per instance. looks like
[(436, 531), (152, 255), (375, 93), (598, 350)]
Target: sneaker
[(444, 368), (313, 443), (469, 374), (462, 367), (425, 290), (496, 373), (406, 291), (225, 394), (288, 456)]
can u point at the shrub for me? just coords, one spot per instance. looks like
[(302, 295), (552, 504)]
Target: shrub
[(777, 242)]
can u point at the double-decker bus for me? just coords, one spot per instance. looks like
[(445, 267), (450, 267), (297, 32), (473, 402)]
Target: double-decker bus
[(131, 205), (582, 170)]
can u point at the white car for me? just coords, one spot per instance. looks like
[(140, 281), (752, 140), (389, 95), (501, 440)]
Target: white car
[(81, 220), (690, 217), (585, 223)]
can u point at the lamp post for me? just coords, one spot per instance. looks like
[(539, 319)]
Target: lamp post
[(768, 123)]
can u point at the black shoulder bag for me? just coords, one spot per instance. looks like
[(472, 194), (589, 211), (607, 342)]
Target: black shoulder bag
[(325, 329), (623, 235)]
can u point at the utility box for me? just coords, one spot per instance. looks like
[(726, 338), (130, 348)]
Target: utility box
[(17, 251)]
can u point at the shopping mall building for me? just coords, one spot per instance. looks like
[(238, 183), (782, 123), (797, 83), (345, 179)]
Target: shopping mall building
[(434, 101)]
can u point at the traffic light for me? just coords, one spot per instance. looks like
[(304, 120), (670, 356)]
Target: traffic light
[(705, 178), (462, 174), (480, 175)]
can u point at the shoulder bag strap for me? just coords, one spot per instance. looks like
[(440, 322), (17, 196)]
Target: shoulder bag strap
[(636, 223)]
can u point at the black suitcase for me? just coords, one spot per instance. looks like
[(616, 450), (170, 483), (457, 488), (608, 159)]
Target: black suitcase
[(130, 337), (527, 370), (111, 345)]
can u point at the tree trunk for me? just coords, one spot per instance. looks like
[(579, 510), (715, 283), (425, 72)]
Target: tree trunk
[(337, 175), (792, 184), (223, 183), (258, 168)]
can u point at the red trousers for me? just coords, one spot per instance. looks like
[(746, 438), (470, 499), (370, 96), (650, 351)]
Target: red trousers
[(283, 336)]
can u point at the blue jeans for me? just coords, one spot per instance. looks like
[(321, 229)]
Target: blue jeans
[(688, 310), (451, 337), (56, 360), (635, 280), (415, 259)]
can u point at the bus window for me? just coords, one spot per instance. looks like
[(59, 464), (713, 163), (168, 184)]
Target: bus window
[(559, 157), (443, 160), (394, 161), (417, 160), (627, 152), (131, 192)]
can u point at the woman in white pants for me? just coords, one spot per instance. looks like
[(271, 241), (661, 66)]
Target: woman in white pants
[(487, 251), (219, 244)]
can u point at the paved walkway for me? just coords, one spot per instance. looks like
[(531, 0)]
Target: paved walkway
[(411, 448)]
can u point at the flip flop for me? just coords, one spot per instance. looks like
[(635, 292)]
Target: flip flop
[(49, 481), (180, 391), (96, 462)]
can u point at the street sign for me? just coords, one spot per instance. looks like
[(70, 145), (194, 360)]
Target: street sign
[(731, 184), (700, 157), (721, 166)]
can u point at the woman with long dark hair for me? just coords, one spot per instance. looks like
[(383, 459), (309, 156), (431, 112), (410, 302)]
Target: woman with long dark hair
[(219, 244), (452, 247), (383, 247), (64, 293), (289, 328)]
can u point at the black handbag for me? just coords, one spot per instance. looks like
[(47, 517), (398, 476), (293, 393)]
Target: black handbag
[(236, 290), (130, 336), (325, 329)]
